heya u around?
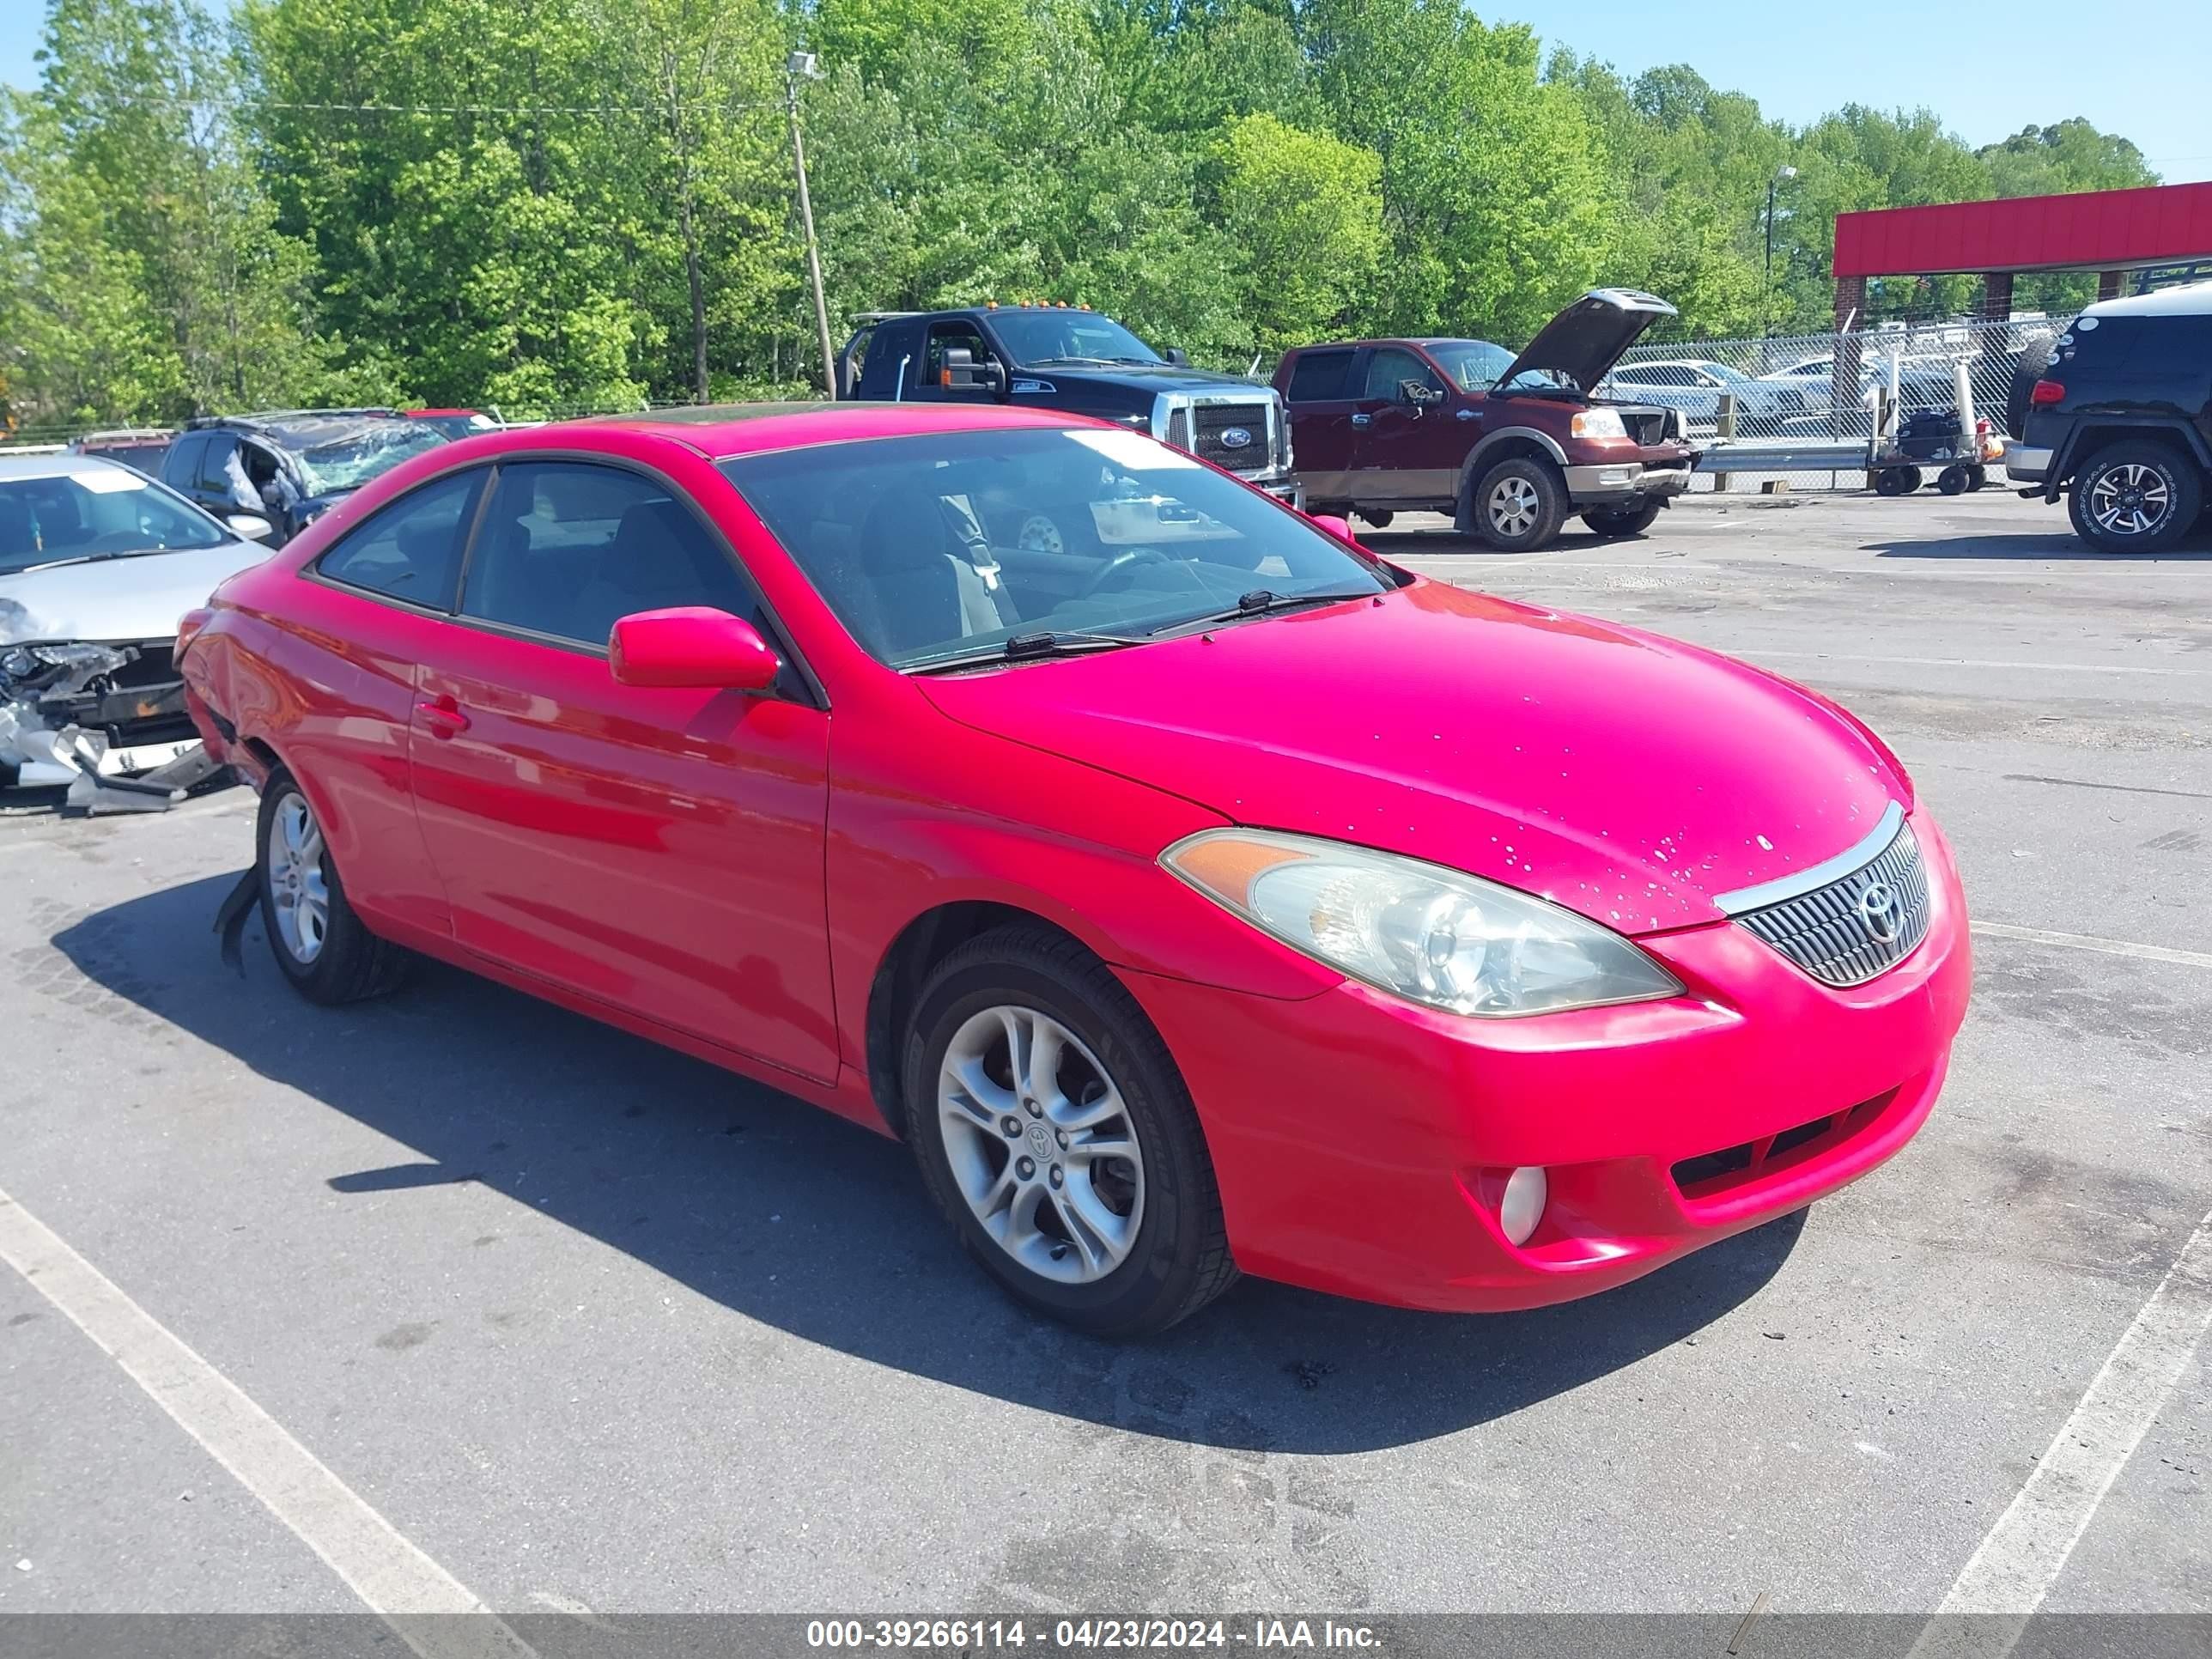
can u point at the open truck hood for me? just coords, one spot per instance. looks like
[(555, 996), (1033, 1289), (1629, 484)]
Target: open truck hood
[(1583, 342)]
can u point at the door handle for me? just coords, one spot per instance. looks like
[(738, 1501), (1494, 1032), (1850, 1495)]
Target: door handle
[(443, 718), (1465, 415), (1363, 419)]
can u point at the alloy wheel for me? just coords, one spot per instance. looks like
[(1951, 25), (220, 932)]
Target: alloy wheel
[(297, 888), (1040, 1143), (1513, 506), (2130, 500)]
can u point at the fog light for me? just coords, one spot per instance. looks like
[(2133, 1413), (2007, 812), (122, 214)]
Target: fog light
[(1523, 1206)]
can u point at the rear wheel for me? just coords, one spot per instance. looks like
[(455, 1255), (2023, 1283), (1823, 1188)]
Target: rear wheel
[(1632, 520), (2136, 498), (1954, 480), (1056, 1135), (1518, 504), (318, 942)]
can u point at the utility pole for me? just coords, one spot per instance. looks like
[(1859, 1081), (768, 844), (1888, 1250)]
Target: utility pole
[(1766, 297), (801, 65)]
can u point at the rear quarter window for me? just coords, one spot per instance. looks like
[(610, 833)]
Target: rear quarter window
[(1317, 376), (409, 551)]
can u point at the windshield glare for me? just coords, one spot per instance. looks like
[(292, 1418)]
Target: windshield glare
[(43, 520), (1057, 336), (1475, 364), (345, 459), (938, 545)]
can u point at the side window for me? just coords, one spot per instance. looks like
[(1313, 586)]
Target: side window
[(411, 549), (890, 355), (945, 336), (1318, 376), (1390, 365), (566, 549), (214, 471), (180, 468)]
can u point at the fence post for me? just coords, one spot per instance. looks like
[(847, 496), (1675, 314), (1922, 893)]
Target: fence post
[(1724, 427)]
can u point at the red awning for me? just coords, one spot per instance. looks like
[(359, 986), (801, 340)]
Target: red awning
[(2096, 230)]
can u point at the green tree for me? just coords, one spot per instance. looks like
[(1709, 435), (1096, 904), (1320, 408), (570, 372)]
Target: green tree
[(1304, 211)]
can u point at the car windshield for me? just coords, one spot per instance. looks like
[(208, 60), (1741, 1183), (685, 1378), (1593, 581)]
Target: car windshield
[(947, 544), (1475, 364), (344, 453), (103, 513), (1723, 372), (1041, 336)]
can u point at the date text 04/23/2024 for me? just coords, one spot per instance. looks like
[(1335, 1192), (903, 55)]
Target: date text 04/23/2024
[(1126, 1634)]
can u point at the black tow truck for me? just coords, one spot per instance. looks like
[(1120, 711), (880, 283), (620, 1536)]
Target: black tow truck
[(1069, 357)]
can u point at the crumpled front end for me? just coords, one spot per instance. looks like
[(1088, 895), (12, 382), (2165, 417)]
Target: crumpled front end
[(105, 720)]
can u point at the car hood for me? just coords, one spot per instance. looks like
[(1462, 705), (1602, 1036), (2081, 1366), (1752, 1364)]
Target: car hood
[(1630, 778), (140, 596), (1583, 342)]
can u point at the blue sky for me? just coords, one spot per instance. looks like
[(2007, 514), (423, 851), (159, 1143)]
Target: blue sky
[(1988, 67)]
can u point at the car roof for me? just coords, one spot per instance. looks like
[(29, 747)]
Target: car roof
[(63, 466), (720, 430)]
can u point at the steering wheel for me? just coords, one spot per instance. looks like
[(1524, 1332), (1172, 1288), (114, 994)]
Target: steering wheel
[(1128, 559)]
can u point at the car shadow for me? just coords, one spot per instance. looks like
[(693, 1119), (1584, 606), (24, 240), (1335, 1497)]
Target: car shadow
[(2059, 545), (800, 1220)]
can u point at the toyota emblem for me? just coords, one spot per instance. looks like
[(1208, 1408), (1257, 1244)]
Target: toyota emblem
[(1878, 908), (1235, 437)]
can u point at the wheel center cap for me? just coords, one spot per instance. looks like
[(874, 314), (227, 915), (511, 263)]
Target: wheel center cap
[(1040, 1140)]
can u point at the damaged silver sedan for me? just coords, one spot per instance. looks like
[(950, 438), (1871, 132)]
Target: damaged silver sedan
[(97, 565)]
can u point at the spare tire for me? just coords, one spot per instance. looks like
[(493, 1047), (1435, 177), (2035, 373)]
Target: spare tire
[(2034, 358)]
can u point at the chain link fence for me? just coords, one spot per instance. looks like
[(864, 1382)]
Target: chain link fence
[(1820, 389)]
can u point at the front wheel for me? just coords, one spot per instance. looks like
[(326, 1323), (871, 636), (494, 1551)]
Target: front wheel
[(1055, 1134), (318, 942), (2136, 498), (1379, 517), (1518, 504), (1631, 520)]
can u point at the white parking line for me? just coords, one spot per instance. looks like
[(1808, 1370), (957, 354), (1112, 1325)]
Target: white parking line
[(2110, 947), (2005, 1580), (411, 1593)]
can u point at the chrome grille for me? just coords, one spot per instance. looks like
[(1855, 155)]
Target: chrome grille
[(1210, 420), (1835, 933)]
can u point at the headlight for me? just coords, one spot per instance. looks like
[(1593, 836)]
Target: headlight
[(1431, 935), (1598, 423)]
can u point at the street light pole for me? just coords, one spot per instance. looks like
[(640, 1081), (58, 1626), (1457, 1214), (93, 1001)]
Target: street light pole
[(1766, 302), (802, 65)]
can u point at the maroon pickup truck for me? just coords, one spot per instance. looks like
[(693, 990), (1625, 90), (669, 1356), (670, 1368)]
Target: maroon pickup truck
[(1510, 445)]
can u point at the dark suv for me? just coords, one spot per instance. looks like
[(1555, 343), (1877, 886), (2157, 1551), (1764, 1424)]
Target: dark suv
[(1509, 444), (2118, 412), (1070, 357), (287, 465)]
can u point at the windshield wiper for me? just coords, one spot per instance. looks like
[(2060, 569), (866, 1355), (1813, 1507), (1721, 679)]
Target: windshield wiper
[(1258, 602), (1027, 648), (87, 558)]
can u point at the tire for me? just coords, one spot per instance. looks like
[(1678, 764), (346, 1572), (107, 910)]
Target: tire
[(1171, 1257), (2121, 484), (1623, 521), (1952, 480), (1380, 517), (1978, 478), (1890, 480), (340, 960), (1518, 505)]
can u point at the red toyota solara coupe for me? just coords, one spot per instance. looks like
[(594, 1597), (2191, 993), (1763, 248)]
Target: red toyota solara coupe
[(1195, 892)]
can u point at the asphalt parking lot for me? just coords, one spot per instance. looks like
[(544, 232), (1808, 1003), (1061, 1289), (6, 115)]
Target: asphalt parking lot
[(598, 1330)]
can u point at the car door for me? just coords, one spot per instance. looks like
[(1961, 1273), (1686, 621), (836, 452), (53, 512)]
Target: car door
[(1406, 452), (656, 849), (377, 604), (1318, 390)]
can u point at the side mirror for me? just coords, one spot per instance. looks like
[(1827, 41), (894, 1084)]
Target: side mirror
[(1420, 393), (252, 525), (1177, 355), (962, 372), (690, 646), (1339, 528)]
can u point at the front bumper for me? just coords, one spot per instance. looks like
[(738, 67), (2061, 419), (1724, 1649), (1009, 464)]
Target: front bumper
[(1361, 1143), (1283, 486), (1627, 481)]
